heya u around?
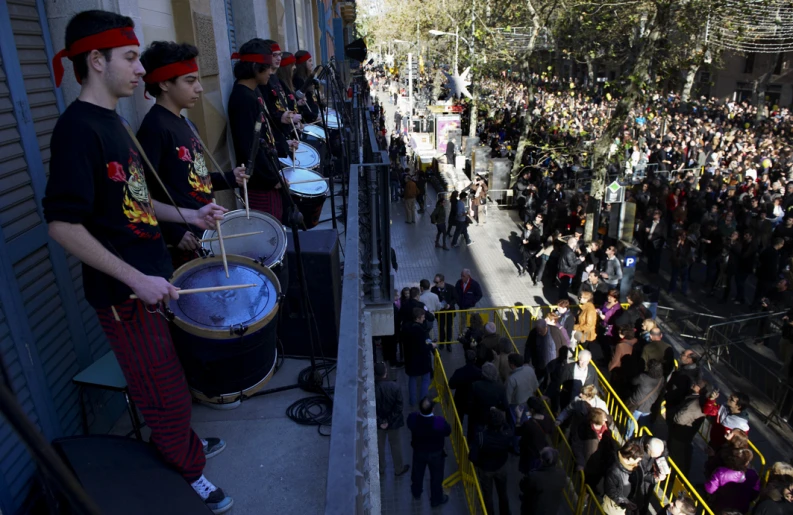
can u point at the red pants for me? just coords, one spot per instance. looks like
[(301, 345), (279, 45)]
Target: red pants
[(142, 344), (267, 201)]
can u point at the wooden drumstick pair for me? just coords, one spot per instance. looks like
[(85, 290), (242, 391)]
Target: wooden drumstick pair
[(222, 246), (208, 289)]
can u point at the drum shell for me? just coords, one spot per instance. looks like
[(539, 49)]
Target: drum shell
[(223, 367)]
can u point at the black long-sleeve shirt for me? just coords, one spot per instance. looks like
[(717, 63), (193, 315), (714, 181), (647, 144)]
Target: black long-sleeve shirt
[(429, 432)]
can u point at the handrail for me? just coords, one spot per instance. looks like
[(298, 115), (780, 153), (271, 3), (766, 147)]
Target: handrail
[(668, 493), (465, 469)]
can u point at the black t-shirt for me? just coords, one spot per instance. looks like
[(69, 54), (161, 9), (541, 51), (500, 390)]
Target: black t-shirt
[(245, 108), (277, 103), (97, 179), (176, 154)]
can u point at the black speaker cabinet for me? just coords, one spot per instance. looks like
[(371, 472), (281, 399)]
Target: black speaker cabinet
[(320, 252), (127, 477)]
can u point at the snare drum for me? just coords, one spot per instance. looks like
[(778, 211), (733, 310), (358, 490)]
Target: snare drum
[(308, 196), (305, 155), (226, 340), (269, 247), (314, 132)]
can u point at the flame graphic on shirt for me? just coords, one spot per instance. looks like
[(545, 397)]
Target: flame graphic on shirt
[(137, 204), (197, 175)]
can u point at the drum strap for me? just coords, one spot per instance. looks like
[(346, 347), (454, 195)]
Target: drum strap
[(212, 160), (154, 172)]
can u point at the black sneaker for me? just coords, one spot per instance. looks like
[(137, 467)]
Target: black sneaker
[(219, 502), (443, 501), (213, 446)]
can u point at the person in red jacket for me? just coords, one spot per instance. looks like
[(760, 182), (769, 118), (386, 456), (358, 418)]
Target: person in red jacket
[(732, 415)]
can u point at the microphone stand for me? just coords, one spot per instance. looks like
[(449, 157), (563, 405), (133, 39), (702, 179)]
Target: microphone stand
[(326, 164), (332, 86)]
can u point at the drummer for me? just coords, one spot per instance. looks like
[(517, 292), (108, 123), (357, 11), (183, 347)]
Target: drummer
[(276, 98), (286, 76), (304, 65), (171, 144), (98, 208), (254, 67)]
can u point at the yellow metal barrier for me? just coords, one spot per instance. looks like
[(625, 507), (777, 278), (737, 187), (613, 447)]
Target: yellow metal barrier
[(465, 469), (588, 503), (676, 483), (616, 408)]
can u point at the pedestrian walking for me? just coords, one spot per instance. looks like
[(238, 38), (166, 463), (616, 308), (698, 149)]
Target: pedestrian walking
[(388, 401), (429, 432), (438, 218), (410, 195)]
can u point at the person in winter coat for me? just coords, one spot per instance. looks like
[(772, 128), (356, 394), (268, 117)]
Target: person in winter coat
[(575, 376), (681, 257), (776, 498), (647, 387), (622, 357), (617, 486), (578, 410), (461, 382), (586, 328), (467, 290), (542, 347), (388, 400), (489, 454), (568, 266), (418, 356), (542, 489), (486, 393), (533, 428), (636, 312), (566, 320), (585, 437), (731, 416), (682, 379), (438, 219), (734, 485), (649, 472), (474, 333), (532, 243), (684, 420)]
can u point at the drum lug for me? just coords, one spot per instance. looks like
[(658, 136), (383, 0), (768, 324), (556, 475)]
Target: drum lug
[(167, 313), (239, 330)]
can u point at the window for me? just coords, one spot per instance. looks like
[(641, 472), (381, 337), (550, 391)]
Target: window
[(748, 65)]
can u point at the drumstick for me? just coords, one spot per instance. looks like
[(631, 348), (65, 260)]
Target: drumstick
[(245, 190), (297, 135), (209, 289), (308, 180), (230, 236), (222, 247)]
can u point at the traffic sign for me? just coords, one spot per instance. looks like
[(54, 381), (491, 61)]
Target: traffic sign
[(615, 193), (630, 262)]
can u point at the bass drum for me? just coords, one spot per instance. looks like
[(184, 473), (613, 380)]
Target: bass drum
[(226, 340)]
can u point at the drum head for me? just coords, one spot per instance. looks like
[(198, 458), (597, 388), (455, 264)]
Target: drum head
[(217, 314), (269, 246), (318, 187), (305, 155), (316, 132)]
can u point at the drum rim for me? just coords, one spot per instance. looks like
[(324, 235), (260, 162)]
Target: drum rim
[(211, 233), (308, 195), (311, 128), (308, 145), (225, 333), (228, 398)]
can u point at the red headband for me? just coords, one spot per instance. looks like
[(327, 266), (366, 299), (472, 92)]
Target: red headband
[(169, 71), (286, 61), (112, 38), (253, 58), (275, 48), (303, 58)]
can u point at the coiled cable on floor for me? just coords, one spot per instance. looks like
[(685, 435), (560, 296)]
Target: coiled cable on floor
[(318, 409)]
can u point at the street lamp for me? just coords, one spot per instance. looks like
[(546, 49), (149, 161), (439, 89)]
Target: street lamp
[(456, 35)]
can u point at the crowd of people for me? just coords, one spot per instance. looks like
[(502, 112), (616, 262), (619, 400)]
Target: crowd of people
[(712, 186)]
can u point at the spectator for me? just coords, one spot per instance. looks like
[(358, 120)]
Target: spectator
[(490, 339), (585, 438), (474, 333), (553, 378), (597, 287), (657, 349), (486, 393), (617, 485), (736, 440), (684, 419), (733, 485), (647, 387), (586, 328), (388, 400), (731, 416), (543, 488), (418, 356), (468, 292), (532, 429), (410, 195), (776, 497), (679, 385), (504, 349), (682, 505), (429, 299), (542, 346), (612, 273), (461, 222), (652, 469), (566, 320), (609, 312), (438, 219), (447, 298), (681, 257), (489, 453), (636, 312), (582, 405), (568, 265), (462, 381), (656, 237), (521, 384), (622, 357), (429, 434), (767, 269), (575, 376)]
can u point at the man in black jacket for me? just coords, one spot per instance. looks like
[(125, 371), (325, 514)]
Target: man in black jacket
[(461, 382), (489, 453), (448, 298), (568, 266), (655, 230), (681, 380), (486, 393), (467, 293), (388, 400), (767, 269), (429, 437), (575, 376), (542, 489)]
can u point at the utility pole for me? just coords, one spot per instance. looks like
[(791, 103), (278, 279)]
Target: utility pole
[(410, 92)]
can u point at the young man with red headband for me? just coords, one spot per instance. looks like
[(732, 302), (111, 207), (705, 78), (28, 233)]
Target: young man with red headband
[(276, 98), (254, 67), (172, 145), (98, 207)]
